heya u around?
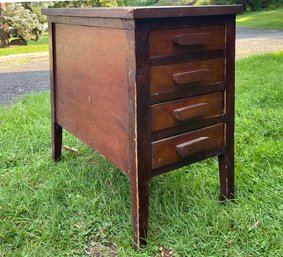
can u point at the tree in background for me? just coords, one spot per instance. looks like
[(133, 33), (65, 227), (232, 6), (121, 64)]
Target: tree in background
[(250, 5), (103, 3)]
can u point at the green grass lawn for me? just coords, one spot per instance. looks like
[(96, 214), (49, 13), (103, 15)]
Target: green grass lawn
[(32, 47), (82, 204), (271, 19)]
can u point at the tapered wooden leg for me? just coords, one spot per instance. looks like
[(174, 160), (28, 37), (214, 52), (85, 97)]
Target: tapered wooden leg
[(140, 205), (56, 141), (226, 174)]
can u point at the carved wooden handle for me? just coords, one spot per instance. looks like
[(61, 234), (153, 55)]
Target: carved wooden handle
[(192, 146), (191, 76), (192, 39), (190, 112)]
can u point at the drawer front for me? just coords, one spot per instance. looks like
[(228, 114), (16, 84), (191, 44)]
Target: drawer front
[(168, 42), (170, 78), (178, 148), (174, 113)]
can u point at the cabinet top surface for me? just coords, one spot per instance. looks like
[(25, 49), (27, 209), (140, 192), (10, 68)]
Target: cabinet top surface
[(145, 12)]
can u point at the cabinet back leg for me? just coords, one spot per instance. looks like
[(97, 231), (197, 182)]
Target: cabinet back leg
[(56, 141), (226, 174)]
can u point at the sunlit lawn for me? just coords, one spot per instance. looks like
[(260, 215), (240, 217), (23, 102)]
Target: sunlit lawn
[(32, 47), (81, 206), (271, 19)]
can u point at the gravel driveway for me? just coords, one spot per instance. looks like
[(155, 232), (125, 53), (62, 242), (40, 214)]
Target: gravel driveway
[(251, 41), (23, 74)]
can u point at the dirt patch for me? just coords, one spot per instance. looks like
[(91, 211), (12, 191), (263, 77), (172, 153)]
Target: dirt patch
[(24, 62), (100, 250), (163, 252)]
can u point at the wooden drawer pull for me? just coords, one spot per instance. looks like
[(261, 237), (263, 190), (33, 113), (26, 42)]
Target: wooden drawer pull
[(192, 146), (191, 76), (190, 112), (192, 39)]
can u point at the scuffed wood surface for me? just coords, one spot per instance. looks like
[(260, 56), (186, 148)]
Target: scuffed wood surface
[(91, 88)]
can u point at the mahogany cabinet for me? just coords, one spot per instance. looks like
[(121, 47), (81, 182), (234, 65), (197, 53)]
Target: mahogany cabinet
[(150, 88)]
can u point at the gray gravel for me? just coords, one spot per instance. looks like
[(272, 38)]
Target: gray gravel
[(251, 41), (23, 74), (15, 84), (246, 33)]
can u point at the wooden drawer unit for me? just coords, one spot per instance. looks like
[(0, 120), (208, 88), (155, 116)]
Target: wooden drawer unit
[(174, 149), (174, 113), (178, 41), (180, 77), (151, 89)]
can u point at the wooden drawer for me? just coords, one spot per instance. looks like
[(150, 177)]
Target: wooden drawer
[(174, 113), (171, 78), (170, 150), (168, 42)]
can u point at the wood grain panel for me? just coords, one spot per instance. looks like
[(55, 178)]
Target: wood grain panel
[(162, 77), (164, 115), (163, 42), (164, 151), (91, 88)]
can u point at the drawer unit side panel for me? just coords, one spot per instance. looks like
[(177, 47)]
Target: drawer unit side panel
[(91, 88)]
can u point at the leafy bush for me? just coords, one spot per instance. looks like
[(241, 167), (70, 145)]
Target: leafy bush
[(176, 2), (103, 3), (25, 23)]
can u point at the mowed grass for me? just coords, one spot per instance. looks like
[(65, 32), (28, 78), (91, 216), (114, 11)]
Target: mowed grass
[(81, 206), (32, 47), (270, 19)]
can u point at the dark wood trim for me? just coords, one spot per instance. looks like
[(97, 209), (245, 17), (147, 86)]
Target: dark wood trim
[(140, 177), (189, 21), (190, 126), (180, 94), (56, 129), (185, 58), (94, 22), (226, 160), (192, 159), (145, 12), (181, 11)]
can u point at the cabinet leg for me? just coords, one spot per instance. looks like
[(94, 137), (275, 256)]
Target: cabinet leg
[(56, 141), (140, 205), (226, 174)]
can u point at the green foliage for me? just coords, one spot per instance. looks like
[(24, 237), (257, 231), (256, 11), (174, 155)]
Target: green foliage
[(35, 7), (82, 204), (103, 3), (175, 2), (140, 2), (252, 5)]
